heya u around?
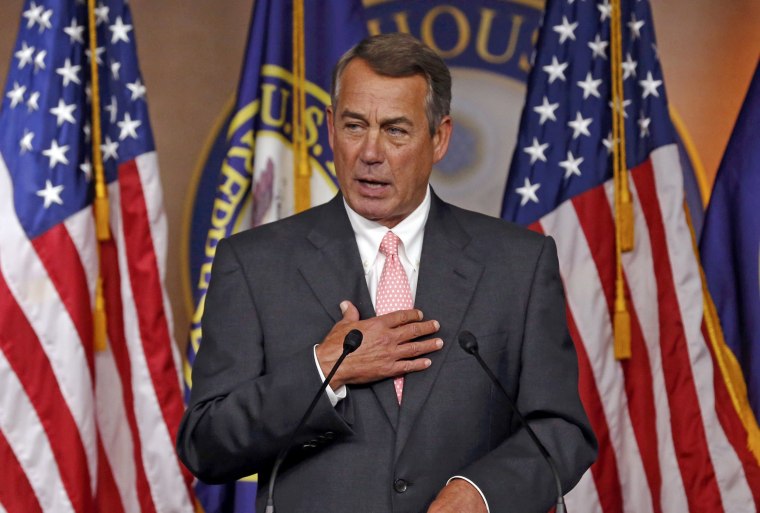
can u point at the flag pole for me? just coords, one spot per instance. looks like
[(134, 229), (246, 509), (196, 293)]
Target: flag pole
[(101, 193)]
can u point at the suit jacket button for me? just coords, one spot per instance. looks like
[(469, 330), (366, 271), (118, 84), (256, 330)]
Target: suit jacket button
[(400, 485)]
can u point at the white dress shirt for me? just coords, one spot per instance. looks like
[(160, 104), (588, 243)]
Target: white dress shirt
[(368, 235)]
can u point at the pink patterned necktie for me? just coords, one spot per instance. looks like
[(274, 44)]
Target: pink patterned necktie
[(393, 291)]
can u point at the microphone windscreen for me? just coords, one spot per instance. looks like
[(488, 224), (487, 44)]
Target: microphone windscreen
[(352, 341), (468, 342)]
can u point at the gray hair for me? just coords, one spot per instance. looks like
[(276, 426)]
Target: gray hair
[(401, 55)]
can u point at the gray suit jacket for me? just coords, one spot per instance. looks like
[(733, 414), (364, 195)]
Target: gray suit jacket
[(275, 292)]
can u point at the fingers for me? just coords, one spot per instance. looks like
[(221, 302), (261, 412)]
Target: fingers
[(418, 348), (406, 353), (350, 312), (403, 324), (400, 317), (416, 330), (410, 318), (408, 366), (391, 344)]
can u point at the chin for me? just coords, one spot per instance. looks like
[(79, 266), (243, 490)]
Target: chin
[(374, 214), (368, 207), (371, 214)]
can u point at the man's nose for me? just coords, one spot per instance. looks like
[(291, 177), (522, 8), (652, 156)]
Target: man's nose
[(372, 151)]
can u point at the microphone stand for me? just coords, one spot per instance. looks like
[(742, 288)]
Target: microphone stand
[(469, 343), (350, 344)]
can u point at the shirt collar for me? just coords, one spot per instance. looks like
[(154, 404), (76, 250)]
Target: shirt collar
[(410, 230)]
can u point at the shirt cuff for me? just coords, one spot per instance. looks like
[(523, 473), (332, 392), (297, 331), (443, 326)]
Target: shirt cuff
[(334, 396), (475, 486)]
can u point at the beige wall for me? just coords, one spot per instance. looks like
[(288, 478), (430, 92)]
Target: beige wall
[(709, 50), (191, 50)]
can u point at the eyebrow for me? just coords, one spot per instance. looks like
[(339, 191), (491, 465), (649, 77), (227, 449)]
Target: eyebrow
[(399, 120)]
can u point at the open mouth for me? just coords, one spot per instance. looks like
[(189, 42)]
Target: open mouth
[(372, 184)]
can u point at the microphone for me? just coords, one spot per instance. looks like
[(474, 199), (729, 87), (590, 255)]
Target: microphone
[(469, 344), (351, 343)]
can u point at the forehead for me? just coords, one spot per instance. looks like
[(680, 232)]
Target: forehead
[(361, 89)]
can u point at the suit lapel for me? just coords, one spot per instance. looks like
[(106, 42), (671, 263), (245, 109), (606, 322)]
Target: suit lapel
[(448, 278), (334, 273), (333, 270)]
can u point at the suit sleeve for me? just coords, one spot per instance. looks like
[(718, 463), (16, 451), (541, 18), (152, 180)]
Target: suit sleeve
[(514, 476), (240, 415)]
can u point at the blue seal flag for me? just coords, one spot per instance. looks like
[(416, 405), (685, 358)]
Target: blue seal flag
[(730, 244), (277, 159)]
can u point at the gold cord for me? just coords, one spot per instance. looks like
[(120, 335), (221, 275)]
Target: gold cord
[(622, 195), (301, 167), (101, 192)]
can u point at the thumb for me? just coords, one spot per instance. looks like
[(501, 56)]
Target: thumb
[(350, 313)]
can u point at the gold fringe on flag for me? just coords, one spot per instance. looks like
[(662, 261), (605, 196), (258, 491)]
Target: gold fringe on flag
[(729, 367), (301, 167), (101, 192), (622, 194)]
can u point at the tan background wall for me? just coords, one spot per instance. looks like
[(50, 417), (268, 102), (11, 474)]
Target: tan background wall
[(191, 52)]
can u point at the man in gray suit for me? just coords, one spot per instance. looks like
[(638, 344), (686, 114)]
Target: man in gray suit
[(283, 296)]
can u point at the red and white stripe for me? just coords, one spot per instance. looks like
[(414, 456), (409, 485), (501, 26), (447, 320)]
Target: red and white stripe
[(84, 431), (670, 439)]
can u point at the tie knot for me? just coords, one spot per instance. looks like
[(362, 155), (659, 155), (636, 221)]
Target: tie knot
[(389, 245)]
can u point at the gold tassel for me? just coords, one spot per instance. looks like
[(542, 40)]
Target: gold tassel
[(99, 318), (626, 219), (102, 217), (622, 327)]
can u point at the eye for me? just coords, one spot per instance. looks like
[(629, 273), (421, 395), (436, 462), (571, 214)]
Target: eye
[(396, 131), (352, 127)]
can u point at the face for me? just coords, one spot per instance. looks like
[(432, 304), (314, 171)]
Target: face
[(381, 141)]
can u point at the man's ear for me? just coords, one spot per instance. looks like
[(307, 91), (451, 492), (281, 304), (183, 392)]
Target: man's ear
[(441, 138), (330, 125)]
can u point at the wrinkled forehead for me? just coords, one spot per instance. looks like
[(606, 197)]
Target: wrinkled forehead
[(361, 86)]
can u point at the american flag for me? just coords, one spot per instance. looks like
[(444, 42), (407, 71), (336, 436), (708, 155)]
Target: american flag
[(83, 429), (671, 435)]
